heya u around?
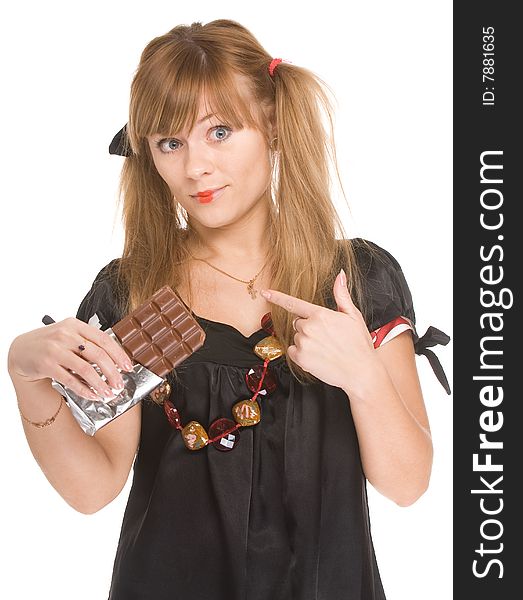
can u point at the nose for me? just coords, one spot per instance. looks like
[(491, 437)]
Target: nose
[(198, 161)]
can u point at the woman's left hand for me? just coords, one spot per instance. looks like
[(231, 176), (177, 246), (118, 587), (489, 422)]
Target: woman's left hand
[(334, 346)]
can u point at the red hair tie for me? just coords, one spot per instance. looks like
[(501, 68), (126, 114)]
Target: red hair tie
[(274, 63)]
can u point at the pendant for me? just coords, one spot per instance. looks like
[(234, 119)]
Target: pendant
[(251, 290)]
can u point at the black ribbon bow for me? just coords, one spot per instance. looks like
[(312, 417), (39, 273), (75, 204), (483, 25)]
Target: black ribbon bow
[(433, 337), (120, 143)]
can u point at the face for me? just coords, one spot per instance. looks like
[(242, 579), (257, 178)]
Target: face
[(220, 175)]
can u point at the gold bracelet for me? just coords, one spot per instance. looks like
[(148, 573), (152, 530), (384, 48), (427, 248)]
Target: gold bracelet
[(49, 421)]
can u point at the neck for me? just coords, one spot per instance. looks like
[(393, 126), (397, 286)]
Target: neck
[(241, 243)]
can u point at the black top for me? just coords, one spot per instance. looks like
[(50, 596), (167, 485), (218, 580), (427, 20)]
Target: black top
[(284, 515)]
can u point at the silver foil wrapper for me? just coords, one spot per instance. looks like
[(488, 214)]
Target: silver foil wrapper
[(94, 414)]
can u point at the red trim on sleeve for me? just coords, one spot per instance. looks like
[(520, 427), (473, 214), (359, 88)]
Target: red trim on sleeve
[(390, 330)]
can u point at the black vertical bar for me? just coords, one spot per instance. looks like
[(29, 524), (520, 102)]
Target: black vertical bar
[(488, 329)]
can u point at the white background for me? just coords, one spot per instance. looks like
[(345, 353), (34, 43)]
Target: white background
[(66, 70)]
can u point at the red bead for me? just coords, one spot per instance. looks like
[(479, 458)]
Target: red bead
[(172, 414), (228, 441), (253, 377), (266, 323)]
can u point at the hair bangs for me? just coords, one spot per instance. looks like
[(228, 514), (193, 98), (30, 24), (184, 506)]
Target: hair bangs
[(229, 97), (167, 98)]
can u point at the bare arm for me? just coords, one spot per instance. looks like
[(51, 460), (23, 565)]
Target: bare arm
[(392, 424), (87, 471)]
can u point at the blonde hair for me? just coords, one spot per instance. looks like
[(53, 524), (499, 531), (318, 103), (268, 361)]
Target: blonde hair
[(174, 71)]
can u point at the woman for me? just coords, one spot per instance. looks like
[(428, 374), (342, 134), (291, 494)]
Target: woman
[(226, 196)]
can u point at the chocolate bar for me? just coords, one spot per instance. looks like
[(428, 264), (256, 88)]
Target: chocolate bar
[(160, 333)]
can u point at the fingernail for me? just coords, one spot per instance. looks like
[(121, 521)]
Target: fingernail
[(128, 366), (343, 278), (265, 294)]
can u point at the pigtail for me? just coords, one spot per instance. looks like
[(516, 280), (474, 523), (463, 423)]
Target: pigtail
[(302, 193)]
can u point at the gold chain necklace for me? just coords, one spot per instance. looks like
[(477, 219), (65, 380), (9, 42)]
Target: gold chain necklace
[(250, 282)]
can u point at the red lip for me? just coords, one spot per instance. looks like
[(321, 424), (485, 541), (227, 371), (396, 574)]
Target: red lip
[(207, 193)]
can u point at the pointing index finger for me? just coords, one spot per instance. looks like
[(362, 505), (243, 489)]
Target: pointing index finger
[(296, 306)]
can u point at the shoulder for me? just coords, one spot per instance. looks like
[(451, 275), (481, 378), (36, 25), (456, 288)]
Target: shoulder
[(385, 291), (109, 271), (372, 259), (388, 301), (104, 297), (106, 281)]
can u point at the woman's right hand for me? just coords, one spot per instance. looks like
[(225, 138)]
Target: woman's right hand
[(52, 351)]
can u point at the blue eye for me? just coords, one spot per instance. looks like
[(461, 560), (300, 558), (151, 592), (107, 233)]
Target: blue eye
[(222, 133), (168, 145)]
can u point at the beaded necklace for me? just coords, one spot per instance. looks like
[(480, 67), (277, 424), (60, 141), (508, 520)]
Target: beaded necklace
[(223, 433)]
